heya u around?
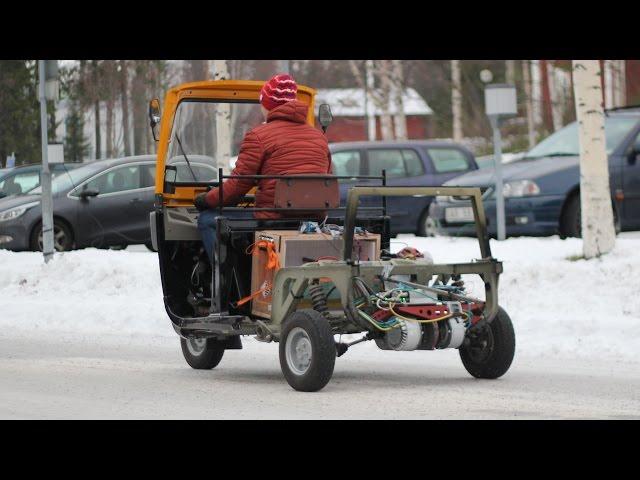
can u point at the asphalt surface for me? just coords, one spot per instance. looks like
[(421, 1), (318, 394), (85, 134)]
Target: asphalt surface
[(94, 378)]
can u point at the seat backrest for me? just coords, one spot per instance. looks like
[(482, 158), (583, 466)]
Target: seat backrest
[(316, 194)]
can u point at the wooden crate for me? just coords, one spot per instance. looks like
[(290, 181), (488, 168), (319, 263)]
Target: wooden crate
[(294, 249)]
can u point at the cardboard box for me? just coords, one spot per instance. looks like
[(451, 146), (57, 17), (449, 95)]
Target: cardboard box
[(293, 249)]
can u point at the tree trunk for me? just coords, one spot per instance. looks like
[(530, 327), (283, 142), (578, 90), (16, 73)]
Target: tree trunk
[(223, 120), (124, 99), (96, 110), (399, 119), (110, 153), (138, 94), (536, 93), (369, 103), (598, 232), (526, 80), (456, 100), (554, 97), (510, 71)]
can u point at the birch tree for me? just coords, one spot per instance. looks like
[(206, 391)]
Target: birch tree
[(381, 70), (399, 119), (526, 80), (598, 232), (223, 120), (456, 100)]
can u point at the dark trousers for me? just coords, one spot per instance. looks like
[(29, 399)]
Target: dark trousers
[(207, 227)]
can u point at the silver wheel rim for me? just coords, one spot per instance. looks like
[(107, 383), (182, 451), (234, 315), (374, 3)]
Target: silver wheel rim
[(429, 227), (59, 239), (196, 346), (298, 351)]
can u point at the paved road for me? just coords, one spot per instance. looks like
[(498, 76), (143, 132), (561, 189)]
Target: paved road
[(62, 379)]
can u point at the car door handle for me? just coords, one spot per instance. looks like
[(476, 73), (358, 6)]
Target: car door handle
[(135, 200)]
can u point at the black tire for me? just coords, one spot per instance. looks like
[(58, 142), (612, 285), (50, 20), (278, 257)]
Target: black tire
[(63, 237), (571, 221), (423, 229), (202, 353), (313, 334), (490, 353)]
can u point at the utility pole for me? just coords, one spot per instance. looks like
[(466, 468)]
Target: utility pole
[(500, 103), (47, 88)]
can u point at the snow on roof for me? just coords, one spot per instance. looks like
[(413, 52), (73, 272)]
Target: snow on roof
[(349, 102)]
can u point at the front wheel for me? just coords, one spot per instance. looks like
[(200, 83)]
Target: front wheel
[(201, 353), (307, 351), (490, 351), (62, 237)]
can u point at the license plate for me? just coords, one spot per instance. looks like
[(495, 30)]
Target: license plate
[(459, 215)]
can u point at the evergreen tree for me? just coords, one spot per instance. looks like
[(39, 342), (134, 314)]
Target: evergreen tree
[(19, 112), (76, 145)]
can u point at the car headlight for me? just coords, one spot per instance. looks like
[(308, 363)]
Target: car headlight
[(16, 212), (520, 188)]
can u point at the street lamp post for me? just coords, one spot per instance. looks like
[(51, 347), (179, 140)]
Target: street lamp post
[(48, 90), (500, 103)]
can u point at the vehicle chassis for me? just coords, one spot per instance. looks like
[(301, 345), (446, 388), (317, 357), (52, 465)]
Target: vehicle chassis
[(291, 282)]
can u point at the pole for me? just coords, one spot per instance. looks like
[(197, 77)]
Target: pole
[(497, 158), (369, 107), (46, 200)]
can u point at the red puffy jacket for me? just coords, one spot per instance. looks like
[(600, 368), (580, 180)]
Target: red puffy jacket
[(284, 145)]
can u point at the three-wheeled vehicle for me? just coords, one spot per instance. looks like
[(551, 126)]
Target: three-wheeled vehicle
[(273, 279)]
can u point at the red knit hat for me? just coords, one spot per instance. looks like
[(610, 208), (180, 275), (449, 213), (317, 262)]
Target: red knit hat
[(280, 89)]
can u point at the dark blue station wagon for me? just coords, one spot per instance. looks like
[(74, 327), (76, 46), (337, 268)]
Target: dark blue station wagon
[(407, 163)]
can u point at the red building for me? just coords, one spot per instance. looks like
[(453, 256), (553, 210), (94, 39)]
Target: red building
[(350, 122)]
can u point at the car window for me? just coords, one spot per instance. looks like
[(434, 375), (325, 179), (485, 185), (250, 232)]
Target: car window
[(148, 175), (23, 182), (565, 141), (397, 162), (117, 180), (448, 160), (203, 173), (346, 163)]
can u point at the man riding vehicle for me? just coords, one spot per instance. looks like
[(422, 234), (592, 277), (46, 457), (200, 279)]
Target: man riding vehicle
[(285, 144)]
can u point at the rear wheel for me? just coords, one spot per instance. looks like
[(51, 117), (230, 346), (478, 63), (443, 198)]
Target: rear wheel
[(201, 353), (426, 226), (490, 351), (307, 351)]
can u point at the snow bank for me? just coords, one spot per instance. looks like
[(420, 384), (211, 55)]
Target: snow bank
[(87, 292), (559, 307)]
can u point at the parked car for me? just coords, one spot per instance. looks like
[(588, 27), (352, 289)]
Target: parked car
[(102, 204), (542, 190), (407, 163), (486, 161), (21, 179)]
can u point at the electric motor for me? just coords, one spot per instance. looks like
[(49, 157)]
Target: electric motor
[(410, 335), (405, 337)]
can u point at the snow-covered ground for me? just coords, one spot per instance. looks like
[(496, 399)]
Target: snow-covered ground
[(560, 307)]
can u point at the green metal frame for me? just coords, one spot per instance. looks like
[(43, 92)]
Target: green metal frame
[(291, 282)]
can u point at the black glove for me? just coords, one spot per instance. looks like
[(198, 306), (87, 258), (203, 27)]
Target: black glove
[(201, 202)]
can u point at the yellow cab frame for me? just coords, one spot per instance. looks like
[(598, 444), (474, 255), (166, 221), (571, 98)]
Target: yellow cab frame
[(221, 90)]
